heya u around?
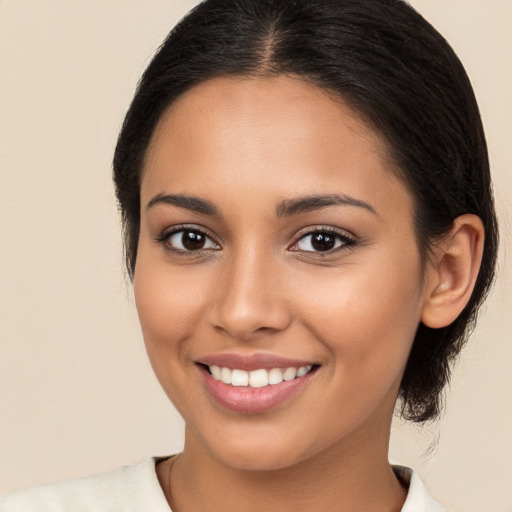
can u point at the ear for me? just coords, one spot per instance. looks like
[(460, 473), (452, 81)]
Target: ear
[(453, 271)]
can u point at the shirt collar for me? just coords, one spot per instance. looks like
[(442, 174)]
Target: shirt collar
[(418, 498)]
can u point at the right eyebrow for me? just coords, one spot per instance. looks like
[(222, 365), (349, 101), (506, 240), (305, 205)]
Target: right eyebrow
[(193, 203)]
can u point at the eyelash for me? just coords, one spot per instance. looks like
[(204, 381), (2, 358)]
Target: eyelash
[(164, 239), (338, 235), (345, 240)]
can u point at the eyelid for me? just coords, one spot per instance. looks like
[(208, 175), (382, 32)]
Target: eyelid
[(164, 236), (347, 238)]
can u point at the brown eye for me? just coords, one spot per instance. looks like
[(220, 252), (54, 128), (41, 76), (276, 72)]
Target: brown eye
[(322, 241), (190, 240)]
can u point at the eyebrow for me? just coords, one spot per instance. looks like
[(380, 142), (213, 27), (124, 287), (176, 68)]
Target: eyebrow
[(285, 208), (310, 203), (193, 203)]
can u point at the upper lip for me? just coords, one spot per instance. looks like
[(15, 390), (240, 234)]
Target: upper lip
[(252, 361)]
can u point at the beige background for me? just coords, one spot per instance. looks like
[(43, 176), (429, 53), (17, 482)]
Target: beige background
[(77, 395)]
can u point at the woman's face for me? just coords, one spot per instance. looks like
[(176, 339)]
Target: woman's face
[(274, 237)]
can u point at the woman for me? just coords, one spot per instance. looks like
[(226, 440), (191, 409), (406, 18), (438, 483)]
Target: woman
[(310, 231)]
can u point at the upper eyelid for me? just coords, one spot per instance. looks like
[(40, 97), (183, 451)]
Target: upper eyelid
[(329, 229), (190, 227), (166, 233), (349, 241)]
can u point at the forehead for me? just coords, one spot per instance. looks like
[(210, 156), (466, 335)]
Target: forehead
[(281, 135), (218, 106)]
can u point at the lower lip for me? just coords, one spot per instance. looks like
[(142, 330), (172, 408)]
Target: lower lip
[(247, 400)]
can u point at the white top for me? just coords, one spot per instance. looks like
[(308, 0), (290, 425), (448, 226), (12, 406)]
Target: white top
[(136, 489)]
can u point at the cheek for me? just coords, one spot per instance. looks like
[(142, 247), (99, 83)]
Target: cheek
[(366, 316), (169, 303)]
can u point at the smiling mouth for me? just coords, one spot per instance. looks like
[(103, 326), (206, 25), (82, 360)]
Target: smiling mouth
[(258, 378), (256, 384)]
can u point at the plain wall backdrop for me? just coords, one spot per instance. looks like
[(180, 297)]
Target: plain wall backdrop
[(77, 394)]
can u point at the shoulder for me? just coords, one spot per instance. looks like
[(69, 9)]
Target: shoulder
[(129, 488), (418, 498)]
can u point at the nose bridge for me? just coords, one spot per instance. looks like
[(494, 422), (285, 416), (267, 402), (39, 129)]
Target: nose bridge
[(249, 299)]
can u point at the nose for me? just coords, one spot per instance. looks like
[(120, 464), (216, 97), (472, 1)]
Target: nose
[(250, 300)]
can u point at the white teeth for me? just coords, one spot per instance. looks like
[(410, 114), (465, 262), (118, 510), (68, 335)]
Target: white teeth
[(225, 375), (290, 374), (257, 378), (275, 376), (215, 371), (303, 370), (239, 378)]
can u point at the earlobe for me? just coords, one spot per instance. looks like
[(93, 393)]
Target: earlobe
[(454, 269)]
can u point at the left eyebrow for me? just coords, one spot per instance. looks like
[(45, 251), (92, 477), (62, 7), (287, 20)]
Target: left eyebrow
[(310, 203)]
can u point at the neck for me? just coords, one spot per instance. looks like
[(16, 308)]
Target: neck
[(355, 477)]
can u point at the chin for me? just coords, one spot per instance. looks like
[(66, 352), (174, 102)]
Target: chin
[(256, 460), (261, 451)]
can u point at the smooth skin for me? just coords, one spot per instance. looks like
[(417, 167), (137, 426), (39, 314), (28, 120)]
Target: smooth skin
[(243, 152)]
